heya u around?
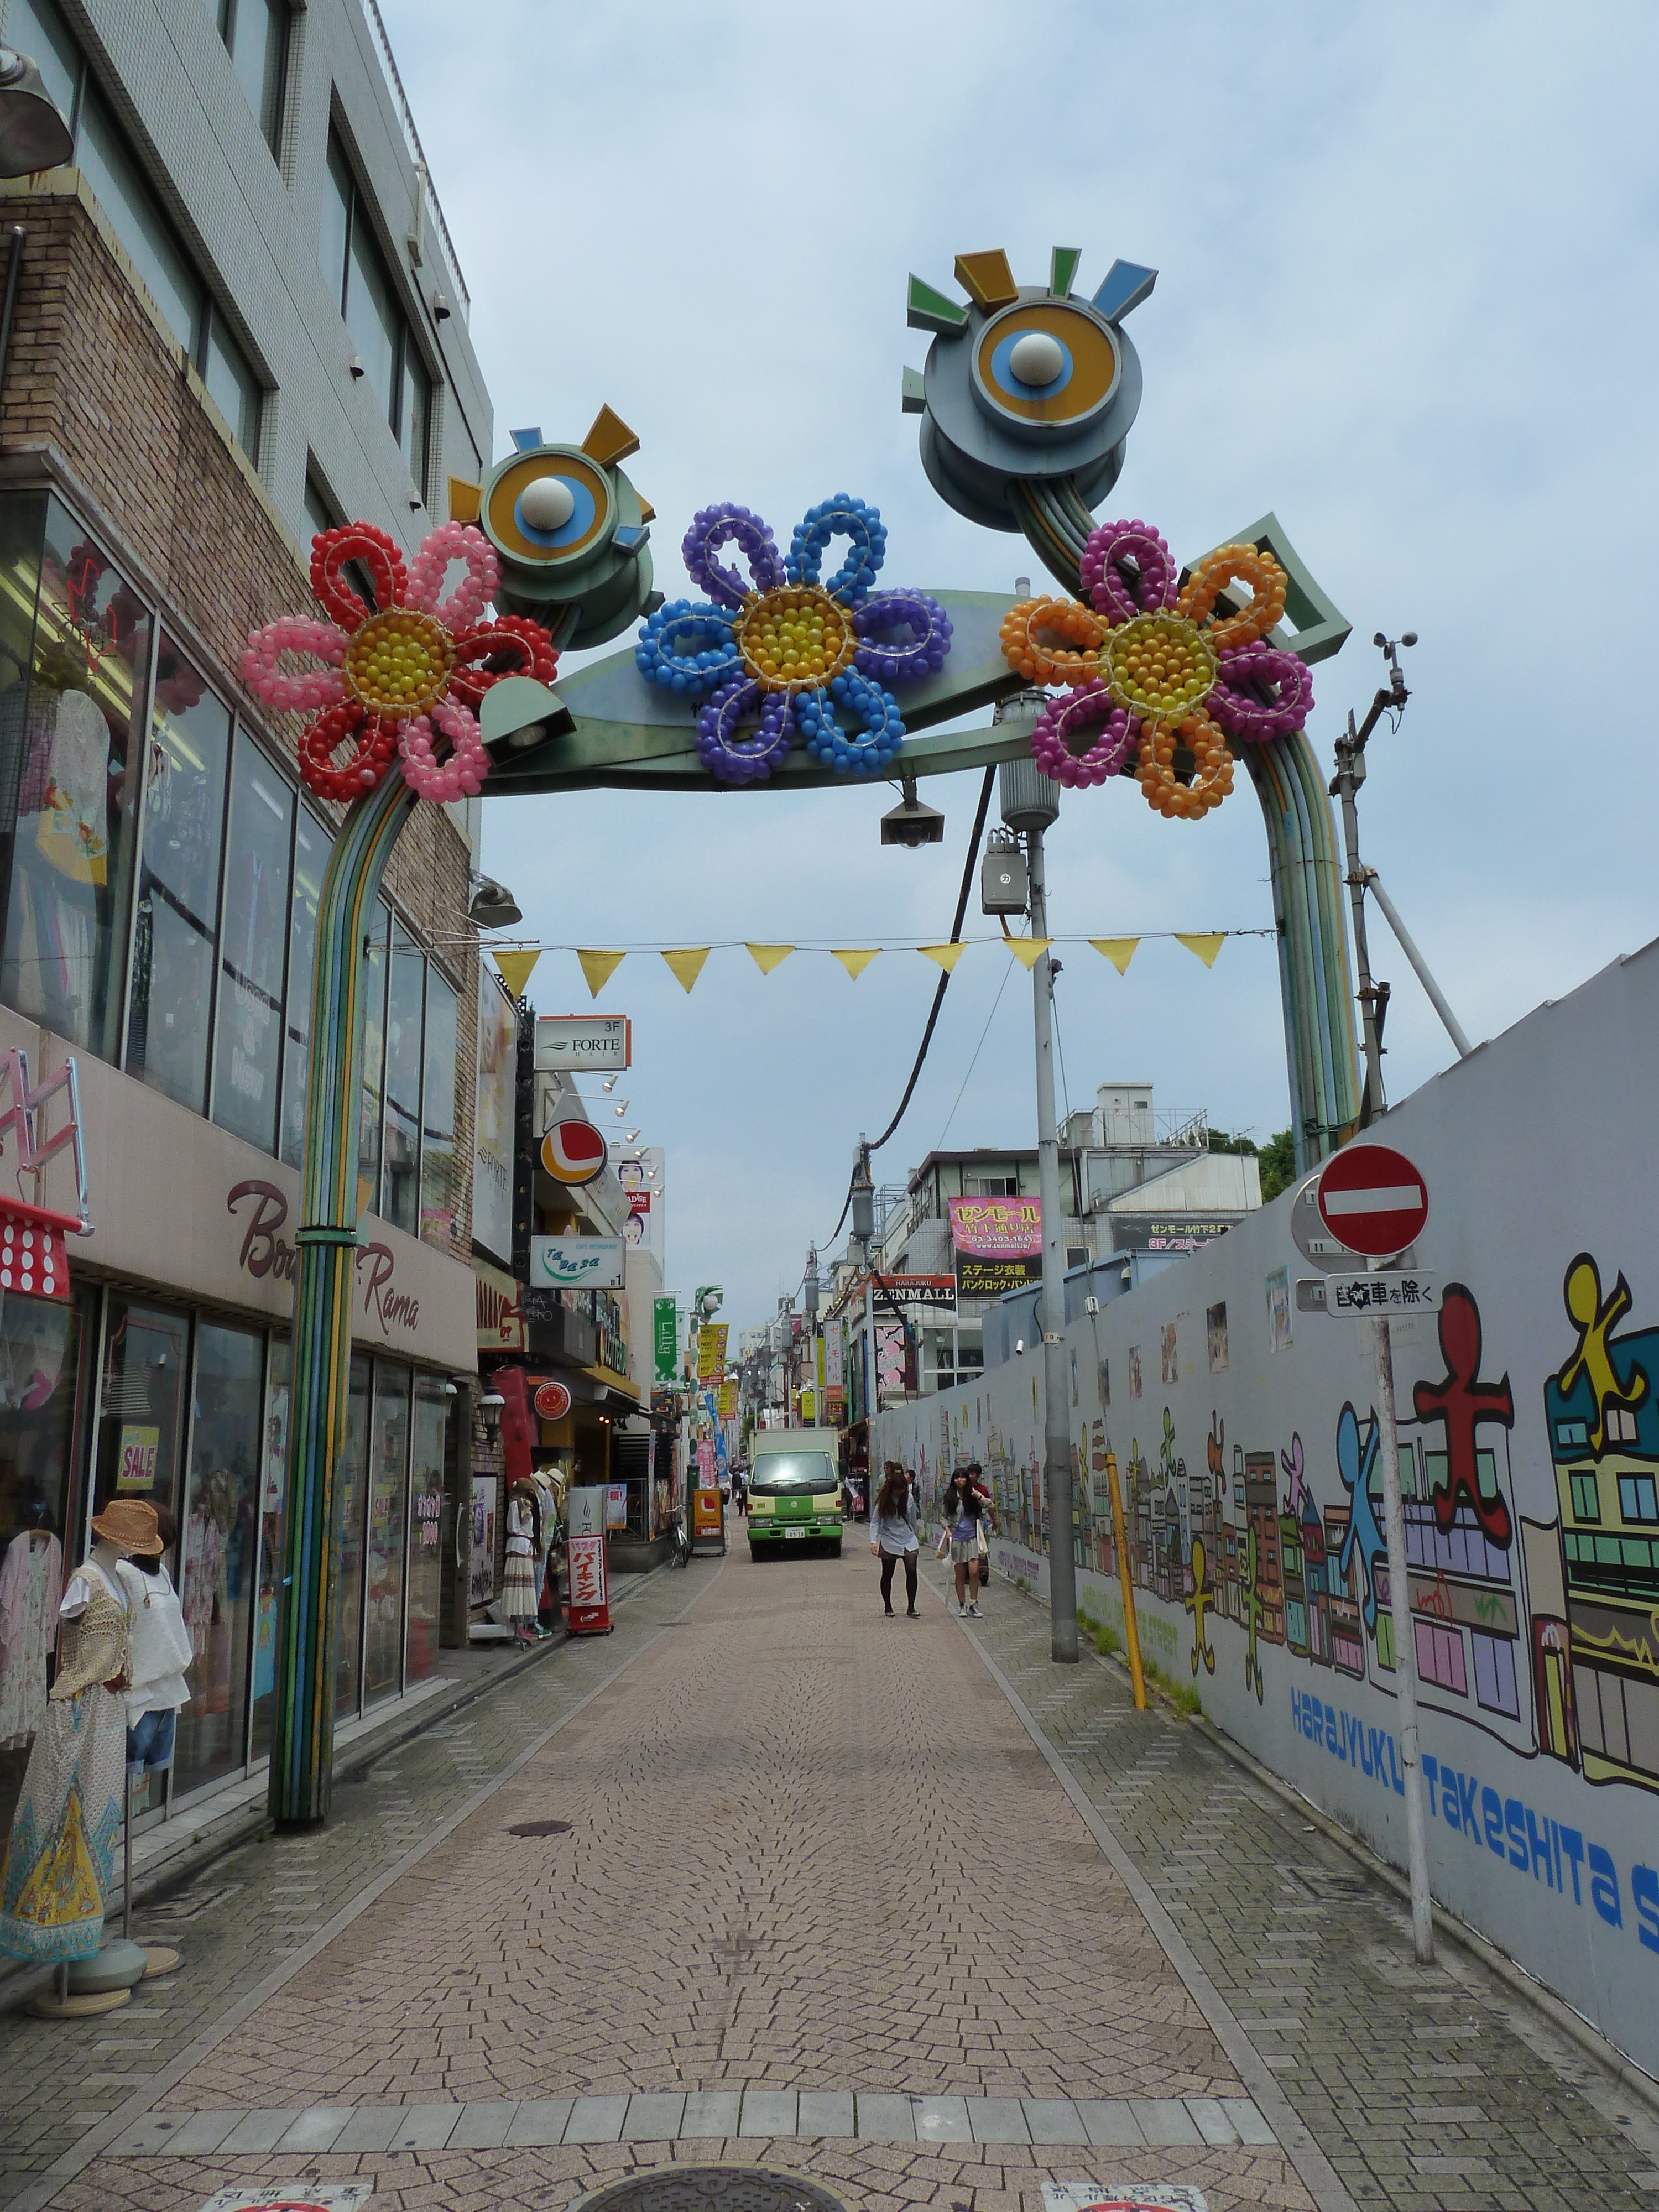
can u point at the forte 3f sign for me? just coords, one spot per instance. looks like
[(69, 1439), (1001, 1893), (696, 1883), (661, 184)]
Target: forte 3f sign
[(568, 1043)]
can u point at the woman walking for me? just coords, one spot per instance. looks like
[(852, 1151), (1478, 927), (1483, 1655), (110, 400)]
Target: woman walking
[(893, 1535), (961, 1508)]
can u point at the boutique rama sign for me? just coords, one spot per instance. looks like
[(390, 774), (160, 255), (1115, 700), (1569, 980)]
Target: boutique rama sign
[(390, 1309)]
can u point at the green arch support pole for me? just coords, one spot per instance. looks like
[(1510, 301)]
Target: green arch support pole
[(1320, 1046), (302, 1746)]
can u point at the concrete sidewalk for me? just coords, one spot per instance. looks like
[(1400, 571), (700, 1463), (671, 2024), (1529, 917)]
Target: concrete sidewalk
[(828, 1893)]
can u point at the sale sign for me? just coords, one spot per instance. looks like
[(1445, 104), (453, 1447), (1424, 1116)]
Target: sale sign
[(134, 1466), (589, 1609)]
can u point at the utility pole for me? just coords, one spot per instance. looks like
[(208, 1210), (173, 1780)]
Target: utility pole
[(1031, 805), (864, 1231), (811, 1304)]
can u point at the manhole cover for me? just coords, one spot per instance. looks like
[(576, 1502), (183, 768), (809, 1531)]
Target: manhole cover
[(713, 2189), (540, 1828)]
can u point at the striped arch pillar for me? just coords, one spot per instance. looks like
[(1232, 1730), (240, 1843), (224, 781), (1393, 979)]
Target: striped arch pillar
[(1315, 975), (302, 1746)]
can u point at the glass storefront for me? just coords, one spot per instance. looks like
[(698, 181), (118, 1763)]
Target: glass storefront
[(190, 1411)]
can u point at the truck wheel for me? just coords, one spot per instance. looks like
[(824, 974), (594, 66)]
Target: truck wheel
[(835, 1549), (756, 1553)]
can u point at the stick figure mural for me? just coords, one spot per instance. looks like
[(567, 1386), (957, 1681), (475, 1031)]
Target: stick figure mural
[(1356, 1463), (1197, 1602), (1462, 1402)]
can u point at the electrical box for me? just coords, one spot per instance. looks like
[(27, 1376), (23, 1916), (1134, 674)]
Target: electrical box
[(1004, 887)]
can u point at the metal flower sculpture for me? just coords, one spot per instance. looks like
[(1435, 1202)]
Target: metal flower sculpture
[(1173, 671), (784, 652), (394, 673)]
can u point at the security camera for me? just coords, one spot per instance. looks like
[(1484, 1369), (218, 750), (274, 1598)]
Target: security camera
[(913, 824), (1092, 1305)]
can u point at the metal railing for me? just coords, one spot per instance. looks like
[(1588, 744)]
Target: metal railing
[(417, 155)]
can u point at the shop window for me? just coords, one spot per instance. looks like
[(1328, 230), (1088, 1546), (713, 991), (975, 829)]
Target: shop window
[(273, 1530), (1494, 1673), (439, 1179), (353, 1482), (312, 846), (388, 1490), (42, 1357), (1440, 1656), (255, 32), (400, 1194), (142, 1406), (176, 938), (373, 990), (75, 649), (222, 1533), (248, 1029), (358, 274), (433, 1400)]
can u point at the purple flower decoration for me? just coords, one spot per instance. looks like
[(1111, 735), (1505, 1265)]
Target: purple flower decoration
[(780, 656)]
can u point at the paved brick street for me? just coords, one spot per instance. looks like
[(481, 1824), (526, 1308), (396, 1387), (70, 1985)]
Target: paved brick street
[(824, 1902)]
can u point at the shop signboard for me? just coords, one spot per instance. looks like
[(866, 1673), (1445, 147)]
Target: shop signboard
[(711, 1353), (565, 1043), (728, 1400), (134, 1468), (996, 1228), (586, 1263), (481, 1585), (640, 1175), (989, 1278), (500, 1303), (493, 1122), (665, 1337), (1166, 1232), (573, 1151), (589, 1609), (937, 1292), (616, 1505), (551, 1401), (834, 1356), (890, 1355)]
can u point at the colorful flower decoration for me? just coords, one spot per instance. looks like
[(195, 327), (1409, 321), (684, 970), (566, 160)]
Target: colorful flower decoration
[(784, 651), (1156, 667), (393, 674)]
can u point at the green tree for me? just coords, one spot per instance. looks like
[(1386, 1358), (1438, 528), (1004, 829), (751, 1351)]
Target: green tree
[(1277, 1158), (1221, 1142)]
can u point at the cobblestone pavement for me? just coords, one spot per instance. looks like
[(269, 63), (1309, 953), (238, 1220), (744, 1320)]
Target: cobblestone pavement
[(811, 1851), (1438, 2088)]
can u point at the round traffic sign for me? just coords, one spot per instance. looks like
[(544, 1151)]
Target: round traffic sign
[(552, 1401), (1372, 1199), (573, 1152)]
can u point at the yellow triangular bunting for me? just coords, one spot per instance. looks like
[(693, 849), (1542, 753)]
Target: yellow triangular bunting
[(856, 963), (686, 966), (1206, 945), (515, 969), (946, 955), (1120, 951), (599, 968), (766, 957), (1028, 949)]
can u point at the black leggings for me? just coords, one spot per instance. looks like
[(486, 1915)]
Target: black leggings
[(888, 1561)]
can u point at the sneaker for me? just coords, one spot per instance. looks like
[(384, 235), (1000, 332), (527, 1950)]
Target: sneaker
[(973, 1609)]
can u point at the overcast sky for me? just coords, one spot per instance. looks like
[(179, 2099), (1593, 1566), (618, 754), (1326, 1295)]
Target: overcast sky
[(1407, 299)]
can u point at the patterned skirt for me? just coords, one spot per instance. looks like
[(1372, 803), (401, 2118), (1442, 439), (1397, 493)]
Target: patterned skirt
[(521, 1587), (60, 1865)]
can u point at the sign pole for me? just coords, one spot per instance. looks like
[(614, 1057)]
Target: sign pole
[(1404, 1648), (1057, 1451)]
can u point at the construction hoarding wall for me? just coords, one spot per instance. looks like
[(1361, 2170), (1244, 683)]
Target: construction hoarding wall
[(1245, 1437)]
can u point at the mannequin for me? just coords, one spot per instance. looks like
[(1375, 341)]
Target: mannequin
[(156, 1687), (60, 1862), (519, 1591)]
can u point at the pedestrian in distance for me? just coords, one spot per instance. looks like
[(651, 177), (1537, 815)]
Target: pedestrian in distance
[(962, 1508), (988, 1521), (893, 1537)]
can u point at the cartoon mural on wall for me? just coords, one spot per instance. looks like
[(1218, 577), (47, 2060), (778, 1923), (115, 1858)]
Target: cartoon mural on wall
[(1254, 1518)]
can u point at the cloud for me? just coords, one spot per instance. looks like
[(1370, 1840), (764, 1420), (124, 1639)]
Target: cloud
[(1409, 271)]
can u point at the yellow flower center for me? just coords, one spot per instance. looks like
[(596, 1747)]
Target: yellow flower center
[(795, 640), (399, 662), (1158, 665)]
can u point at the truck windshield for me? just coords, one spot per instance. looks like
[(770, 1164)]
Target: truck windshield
[(791, 1474)]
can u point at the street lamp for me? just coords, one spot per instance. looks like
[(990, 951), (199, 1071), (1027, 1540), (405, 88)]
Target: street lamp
[(494, 906), (33, 134), (1031, 805)]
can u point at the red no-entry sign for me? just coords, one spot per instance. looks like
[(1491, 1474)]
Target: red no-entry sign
[(1373, 1200)]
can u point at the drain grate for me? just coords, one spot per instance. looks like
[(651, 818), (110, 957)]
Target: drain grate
[(540, 1828), (713, 2189)]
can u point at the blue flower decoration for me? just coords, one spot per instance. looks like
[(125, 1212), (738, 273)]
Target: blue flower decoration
[(780, 657)]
